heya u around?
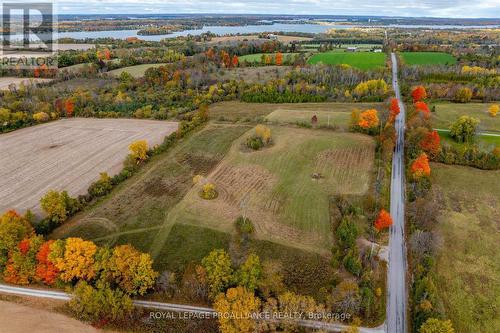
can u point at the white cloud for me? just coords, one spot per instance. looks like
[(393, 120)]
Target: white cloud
[(436, 8)]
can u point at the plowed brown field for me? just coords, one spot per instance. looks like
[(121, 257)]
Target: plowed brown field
[(67, 155)]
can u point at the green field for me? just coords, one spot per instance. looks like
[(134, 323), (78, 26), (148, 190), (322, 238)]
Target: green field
[(288, 113), (489, 127), (136, 71), (335, 115), (286, 204), (447, 113), (257, 57), (468, 264), (261, 74), (361, 60), (75, 67), (142, 202), (428, 58), (485, 141), (159, 211), (235, 111)]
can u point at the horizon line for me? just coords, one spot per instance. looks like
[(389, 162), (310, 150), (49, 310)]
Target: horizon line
[(296, 15)]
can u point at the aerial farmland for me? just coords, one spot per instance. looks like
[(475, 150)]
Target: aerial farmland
[(319, 173), (68, 155)]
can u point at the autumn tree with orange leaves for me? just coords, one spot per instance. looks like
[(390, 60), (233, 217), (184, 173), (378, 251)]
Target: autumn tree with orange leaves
[(21, 265), (420, 167), (13, 228), (210, 53), (279, 59), (418, 94), (104, 55), (422, 108), (394, 109), (69, 107), (431, 143), (383, 221), (235, 61), (46, 271), (368, 119), (225, 59)]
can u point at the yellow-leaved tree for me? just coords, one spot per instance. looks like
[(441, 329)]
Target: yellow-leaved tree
[(264, 133), (77, 262), (219, 271), (493, 110), (139, 150), (235, 309), (433, 325), (132, 270), (41, 117)]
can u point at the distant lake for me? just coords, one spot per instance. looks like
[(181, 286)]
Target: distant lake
[(225, 30), (218, 30), (247, 29)]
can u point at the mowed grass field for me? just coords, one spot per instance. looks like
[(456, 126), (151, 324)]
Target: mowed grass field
[(428, 58), (142, 202), (67, 154), (361, 60), (485, 141), (142, 211), (329, 114), (468, 265), (260, 74), (289, 113), (136, 71), (447, 113), (276, 185), (257, 57)]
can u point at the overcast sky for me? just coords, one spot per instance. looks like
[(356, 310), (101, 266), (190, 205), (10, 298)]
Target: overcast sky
[(435, 8)]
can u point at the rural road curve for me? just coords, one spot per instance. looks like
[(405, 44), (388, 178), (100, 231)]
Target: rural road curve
[(396, 284), (180, 308)]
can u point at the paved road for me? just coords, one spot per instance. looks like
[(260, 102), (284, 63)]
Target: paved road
[(179, 308), (396, 284)]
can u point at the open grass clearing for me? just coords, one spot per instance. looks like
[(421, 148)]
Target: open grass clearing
[(77, 83), (236, 111), (332, 114), (144, 200), (257, 57), (77, 67), (447, 113), (6, 82), (241, 38), (252, 74), (276, 186), (428, 58), (361, 60), (137, 213), (486, 141), (76, 47), (67, 154), (136, 71), (288, 113), (468, 265), (344, 46)]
